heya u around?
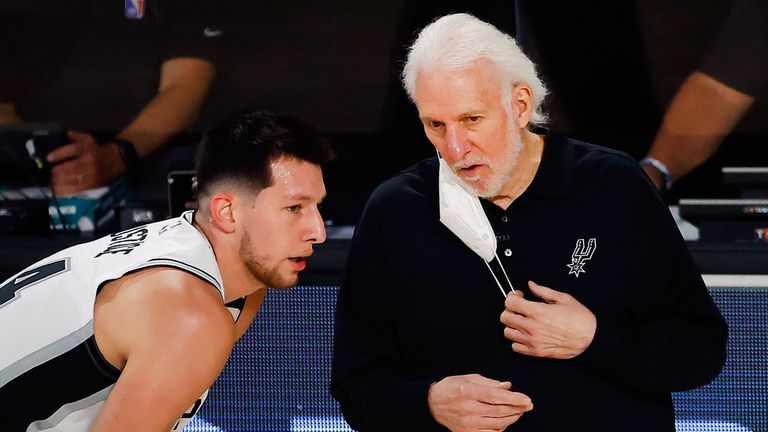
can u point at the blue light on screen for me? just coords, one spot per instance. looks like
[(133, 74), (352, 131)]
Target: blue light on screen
[(738, 399), (277, 378)]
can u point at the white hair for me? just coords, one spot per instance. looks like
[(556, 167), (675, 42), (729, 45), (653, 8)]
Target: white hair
[(456, 42)]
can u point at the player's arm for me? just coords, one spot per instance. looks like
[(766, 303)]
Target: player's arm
[(251, 307), (184, 83), (85, 164), (702, 113), (172, 335)]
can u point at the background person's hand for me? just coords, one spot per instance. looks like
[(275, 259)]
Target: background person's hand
[(475, 403), (560, 328), (84, 164)]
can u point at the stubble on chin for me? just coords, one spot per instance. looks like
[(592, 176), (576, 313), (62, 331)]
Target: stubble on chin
[(269, 276), (500, 175)]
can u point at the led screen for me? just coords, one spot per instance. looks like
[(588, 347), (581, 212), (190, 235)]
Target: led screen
[(277, 378)]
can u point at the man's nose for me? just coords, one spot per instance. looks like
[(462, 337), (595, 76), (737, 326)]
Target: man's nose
[(316, 231), (457, 143)]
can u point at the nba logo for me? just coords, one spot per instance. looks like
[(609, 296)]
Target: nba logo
[(134, 9)]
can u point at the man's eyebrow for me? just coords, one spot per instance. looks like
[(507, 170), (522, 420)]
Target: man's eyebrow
[(472, 113), (303, 197)]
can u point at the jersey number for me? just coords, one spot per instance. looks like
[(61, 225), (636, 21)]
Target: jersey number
[(30, 277)]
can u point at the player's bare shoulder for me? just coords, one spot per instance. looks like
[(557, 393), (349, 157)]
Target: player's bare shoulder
[(160, 307), (170, 334)]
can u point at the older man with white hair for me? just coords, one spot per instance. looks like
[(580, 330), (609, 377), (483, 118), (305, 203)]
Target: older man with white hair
[(603, 311)]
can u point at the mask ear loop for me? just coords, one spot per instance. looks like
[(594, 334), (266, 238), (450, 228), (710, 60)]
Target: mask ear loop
[(495, 278), (511, 288)]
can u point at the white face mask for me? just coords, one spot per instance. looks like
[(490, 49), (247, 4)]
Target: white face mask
[(462, 213)]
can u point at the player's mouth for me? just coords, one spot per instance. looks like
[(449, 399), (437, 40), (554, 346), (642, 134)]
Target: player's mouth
[(300, 262)]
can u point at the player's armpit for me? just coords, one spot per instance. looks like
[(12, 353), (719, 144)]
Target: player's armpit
[(252, 306)]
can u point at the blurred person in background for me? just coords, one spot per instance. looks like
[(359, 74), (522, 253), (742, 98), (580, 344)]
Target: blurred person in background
[(126, 78)]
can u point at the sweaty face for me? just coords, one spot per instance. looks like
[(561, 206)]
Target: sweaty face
[(465, 119), (284, 223)]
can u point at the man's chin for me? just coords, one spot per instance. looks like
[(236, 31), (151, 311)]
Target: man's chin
[(479, 188), (471, 184), (486, 188), (284, 282), (277, 280)]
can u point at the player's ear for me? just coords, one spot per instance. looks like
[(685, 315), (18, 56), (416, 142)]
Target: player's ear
[(222, 215)]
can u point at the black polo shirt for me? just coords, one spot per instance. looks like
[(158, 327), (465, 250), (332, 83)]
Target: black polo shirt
[(417, 305)]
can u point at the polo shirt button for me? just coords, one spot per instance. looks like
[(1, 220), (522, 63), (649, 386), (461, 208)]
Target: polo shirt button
[(508, 252), (504, 218)]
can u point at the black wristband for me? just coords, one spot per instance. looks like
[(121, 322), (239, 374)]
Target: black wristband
[(128, 153)]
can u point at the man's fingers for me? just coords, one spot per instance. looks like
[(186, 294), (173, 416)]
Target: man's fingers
[(474, 402), (79, 143), (522, 349), (69, 151), (481, 380), (515, 320), (516, 335), (499, 396), (547, 294), (497, 424), (516, 303), (511, 402), (77, 136)]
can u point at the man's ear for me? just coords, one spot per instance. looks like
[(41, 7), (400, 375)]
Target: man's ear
[(222, 215), (522, 104)]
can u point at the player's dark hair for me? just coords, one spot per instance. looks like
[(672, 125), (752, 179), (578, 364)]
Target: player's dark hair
[(242, 147)]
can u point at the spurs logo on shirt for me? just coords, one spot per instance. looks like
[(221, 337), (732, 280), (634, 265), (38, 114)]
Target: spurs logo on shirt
[(581, 254)]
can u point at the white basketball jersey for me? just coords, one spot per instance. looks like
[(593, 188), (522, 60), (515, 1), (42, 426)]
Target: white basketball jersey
[(46, 311)]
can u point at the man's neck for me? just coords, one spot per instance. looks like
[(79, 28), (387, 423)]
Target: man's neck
[(526, 166)]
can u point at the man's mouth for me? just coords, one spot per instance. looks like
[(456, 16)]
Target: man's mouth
[(299, 262), (470, 172)]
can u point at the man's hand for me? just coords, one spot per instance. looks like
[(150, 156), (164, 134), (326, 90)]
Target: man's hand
[(475, 403), (84, 164), (561, 328)]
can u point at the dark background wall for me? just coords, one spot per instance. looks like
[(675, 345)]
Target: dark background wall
[(327, 62), (612, 67), (333, 62)]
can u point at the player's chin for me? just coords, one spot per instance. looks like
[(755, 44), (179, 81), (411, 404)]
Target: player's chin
[(285, 279)]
